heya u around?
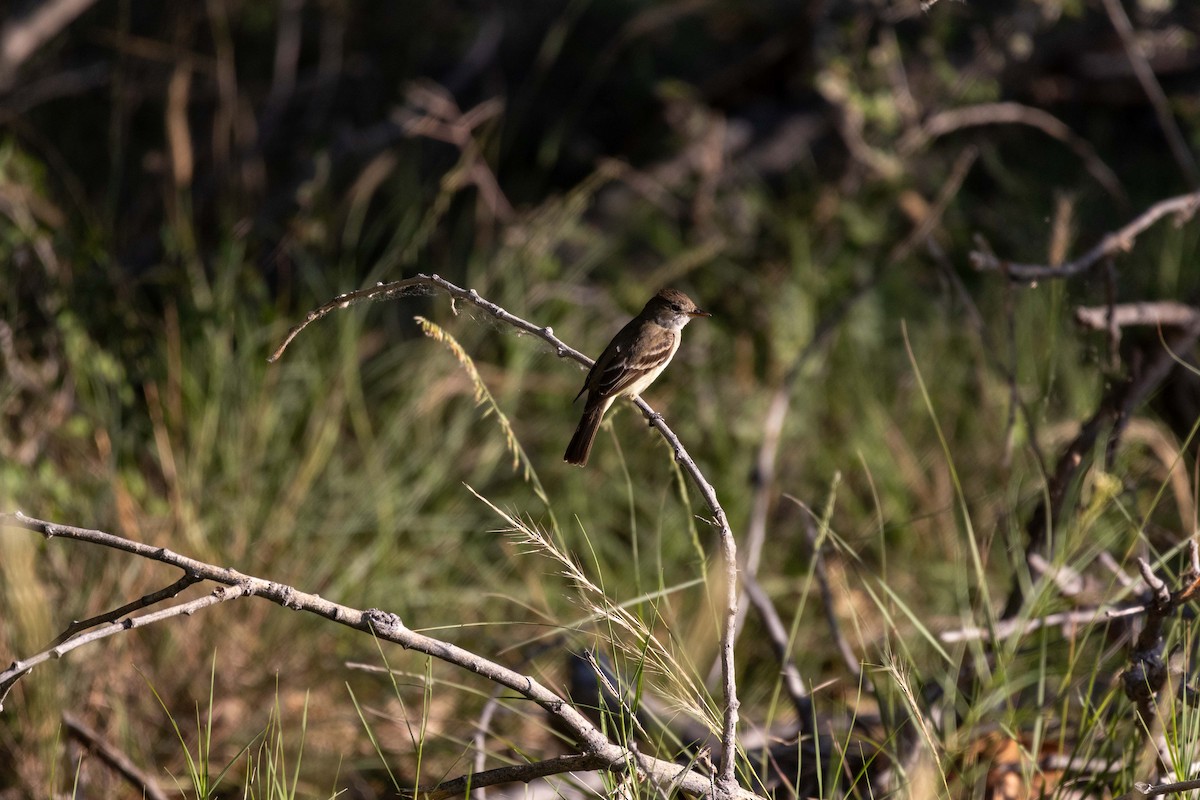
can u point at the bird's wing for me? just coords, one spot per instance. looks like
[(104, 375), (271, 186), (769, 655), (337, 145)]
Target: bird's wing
[(617, 372)]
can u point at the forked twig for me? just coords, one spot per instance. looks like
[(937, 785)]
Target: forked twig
[(21, 668), (145, 601)]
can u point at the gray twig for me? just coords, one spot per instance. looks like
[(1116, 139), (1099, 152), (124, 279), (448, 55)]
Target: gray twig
[(1183, 207), (142, 602)]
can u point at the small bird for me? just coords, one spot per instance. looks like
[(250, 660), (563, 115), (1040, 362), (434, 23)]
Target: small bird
[(633, 359)]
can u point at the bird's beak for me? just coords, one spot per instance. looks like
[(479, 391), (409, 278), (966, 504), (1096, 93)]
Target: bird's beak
[(698, 313)]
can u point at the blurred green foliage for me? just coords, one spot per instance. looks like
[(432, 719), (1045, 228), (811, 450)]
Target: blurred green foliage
[(176, 191)]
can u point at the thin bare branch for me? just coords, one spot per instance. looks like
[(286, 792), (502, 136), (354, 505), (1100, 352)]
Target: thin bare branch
[(145, 601), (726, 778), (514, 773), (1183, 207), (954, 119), (113, 757), (1007, 627), (22, 667), (1153, 679), (780, 643), (1154, 91), (421, 283), (1166, 313), (1148, 790)]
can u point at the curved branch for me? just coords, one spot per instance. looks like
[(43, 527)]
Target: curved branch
[(1184, 207), (114, 758), (726, 780), (1009, 113)]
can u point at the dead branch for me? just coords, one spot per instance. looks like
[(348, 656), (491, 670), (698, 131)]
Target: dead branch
[(597, 749), (22, 667), (513, 773), (1153, 681), (1141, 790), (1183, 207), (1166, 313), (1148, 672), (954, 119), (110, 755), (1007, 627)]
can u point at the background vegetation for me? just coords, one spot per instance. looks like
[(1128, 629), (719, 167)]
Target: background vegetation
[(182, 182)]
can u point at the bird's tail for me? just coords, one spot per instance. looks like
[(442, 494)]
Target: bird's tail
[(581, 443)]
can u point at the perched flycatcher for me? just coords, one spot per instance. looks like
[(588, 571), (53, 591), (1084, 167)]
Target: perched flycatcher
[(633, 359)]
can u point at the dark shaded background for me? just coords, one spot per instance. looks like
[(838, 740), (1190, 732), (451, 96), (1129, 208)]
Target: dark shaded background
[(180, 182)]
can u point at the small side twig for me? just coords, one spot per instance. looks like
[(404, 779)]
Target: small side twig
[(1066, 619), (1150, 671), (513, 773), (145, 601), (18, 669), (1142, 789)]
